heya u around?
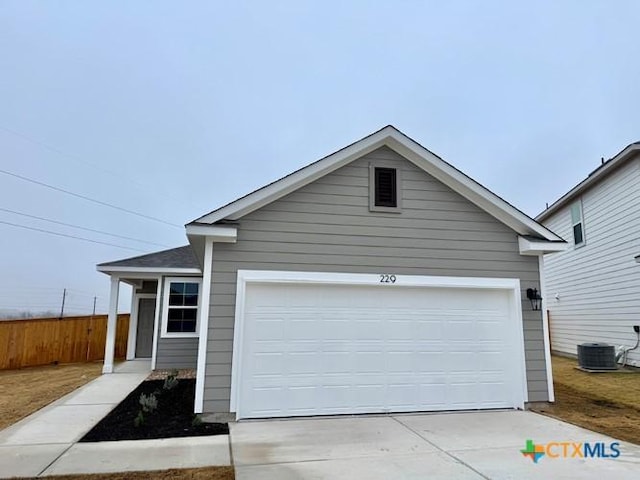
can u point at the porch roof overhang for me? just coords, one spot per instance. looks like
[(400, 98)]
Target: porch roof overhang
[(175, 261)]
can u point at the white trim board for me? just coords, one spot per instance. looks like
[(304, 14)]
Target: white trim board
[(259, 276), (133, 323), (156, 323), (213, 232), (545, 331), (528, 246), (391, 137), (149, 270), (133, 326), (165, 308), (204, 327)]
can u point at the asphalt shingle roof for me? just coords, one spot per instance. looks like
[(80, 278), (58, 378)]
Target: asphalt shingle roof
[(181, 257)]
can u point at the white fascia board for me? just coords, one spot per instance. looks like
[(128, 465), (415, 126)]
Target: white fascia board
[(533, 247), (298, 179), (405, 146), (141, 272), (217, 233), (588, 182), (468, 188)]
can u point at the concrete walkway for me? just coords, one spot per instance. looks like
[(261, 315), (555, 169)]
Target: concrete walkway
[(473, 446), (44, 443)]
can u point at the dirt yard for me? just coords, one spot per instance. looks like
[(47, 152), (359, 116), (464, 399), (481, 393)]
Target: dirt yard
[(29, 389), (608, 403), (208, 473)]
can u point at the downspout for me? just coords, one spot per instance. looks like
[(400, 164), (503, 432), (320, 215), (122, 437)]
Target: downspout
[(623, 351)]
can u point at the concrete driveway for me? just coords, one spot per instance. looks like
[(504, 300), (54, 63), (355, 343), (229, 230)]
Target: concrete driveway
[(458, 445)]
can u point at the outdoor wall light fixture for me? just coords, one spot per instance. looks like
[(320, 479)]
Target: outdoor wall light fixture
[(535, 298)]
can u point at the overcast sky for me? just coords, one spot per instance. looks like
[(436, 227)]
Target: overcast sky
[(172, 109)]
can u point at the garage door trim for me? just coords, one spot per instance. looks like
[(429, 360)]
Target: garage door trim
[(381, 281)]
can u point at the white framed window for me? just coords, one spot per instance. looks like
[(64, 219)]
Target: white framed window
[(181, 303), (385, 182), (577, 223)]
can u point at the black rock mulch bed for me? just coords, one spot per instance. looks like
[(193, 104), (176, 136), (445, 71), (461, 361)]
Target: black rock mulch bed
[(173, 417)]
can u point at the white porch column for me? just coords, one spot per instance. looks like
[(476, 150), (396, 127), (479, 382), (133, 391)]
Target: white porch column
[(110, 345)]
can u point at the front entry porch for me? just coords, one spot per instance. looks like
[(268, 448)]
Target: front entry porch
[(165, 308), (142, 335)]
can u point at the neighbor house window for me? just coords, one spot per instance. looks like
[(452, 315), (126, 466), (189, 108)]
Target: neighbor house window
[(180, 312), (577, 221), (384, 188)]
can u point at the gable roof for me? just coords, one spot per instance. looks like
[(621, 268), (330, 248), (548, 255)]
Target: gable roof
[(592, 179), (181, 258), (411, 150)]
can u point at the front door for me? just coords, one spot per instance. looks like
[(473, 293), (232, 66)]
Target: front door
[(144, 336)]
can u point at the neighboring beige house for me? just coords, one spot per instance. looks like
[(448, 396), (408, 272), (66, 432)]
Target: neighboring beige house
[(593, 287), (377, 279)]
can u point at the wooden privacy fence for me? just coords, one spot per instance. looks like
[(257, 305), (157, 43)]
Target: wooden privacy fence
[(42, 341)]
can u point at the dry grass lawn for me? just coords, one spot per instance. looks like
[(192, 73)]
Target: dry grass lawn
[(608, 403), (29, 389), (208, 473)]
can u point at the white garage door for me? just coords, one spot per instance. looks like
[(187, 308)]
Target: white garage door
[(320, 349)]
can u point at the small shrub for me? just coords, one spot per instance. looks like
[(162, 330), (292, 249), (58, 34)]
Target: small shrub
[(139, 420), (171, 381), (148, 402), (197, 421)]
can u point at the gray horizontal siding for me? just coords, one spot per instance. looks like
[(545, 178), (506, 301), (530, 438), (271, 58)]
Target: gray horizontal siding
[(327, 227), (177, 353)]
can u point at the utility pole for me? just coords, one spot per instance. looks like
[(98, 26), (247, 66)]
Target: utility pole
[(64, 295), (94, 306)]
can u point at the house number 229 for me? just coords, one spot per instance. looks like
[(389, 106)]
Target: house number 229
[(384, 278)]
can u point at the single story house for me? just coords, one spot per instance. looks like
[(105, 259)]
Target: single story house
[(378, 279), (593, 285)]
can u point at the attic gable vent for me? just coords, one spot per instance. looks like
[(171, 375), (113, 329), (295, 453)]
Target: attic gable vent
[(386, 194)]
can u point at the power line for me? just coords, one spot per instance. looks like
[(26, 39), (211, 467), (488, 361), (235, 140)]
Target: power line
[(78, 159), (81, 228), (89, 199), (69, 236)]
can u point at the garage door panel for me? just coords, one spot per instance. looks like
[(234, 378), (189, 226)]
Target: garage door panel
[(429, 330), (368, 396), (268, 363), (330, 349), (267, 329)]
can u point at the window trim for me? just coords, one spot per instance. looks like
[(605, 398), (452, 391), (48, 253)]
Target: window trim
[(372, 187), (581, 222), (165, 307)]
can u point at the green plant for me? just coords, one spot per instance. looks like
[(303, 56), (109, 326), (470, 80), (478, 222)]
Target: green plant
[(171, 381), (148, 402), (197, 421), (139, 420)]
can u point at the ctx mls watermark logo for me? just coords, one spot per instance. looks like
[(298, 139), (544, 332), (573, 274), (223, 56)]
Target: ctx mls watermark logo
[(571, 450)]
